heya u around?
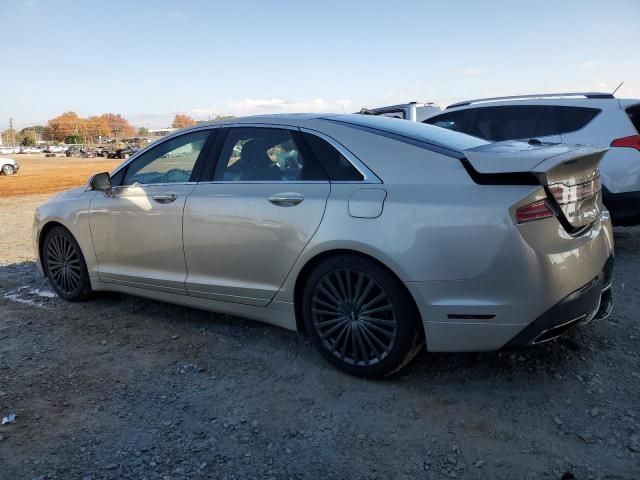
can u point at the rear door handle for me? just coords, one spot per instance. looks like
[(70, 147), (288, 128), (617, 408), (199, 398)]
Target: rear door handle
[(287, 199), (165, 197)]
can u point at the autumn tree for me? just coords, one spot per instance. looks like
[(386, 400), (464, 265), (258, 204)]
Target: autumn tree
[(119, 126), (58, 128), (143, 132), (9, 136), (98, 126), (181, 121)]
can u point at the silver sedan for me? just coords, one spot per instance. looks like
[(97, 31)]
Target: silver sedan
[(372, 235)]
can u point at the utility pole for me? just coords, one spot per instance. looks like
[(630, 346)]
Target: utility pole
[(13, 137)]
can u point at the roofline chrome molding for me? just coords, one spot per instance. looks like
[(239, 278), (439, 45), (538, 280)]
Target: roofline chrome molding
[(591, 95)]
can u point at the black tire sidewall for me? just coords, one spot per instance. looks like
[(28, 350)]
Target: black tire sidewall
[(84, 286), (409, 335)]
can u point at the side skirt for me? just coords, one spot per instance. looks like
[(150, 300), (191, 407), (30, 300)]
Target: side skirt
[(280, 314)]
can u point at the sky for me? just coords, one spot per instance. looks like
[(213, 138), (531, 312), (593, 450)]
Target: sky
[(149, 60)]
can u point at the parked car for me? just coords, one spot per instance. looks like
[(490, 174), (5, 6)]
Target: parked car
[(597, 119), (54, 149), (123, 153), (30, 150), (8, 166), (101, 151), (413, 111), (73, 150), (380, 235)]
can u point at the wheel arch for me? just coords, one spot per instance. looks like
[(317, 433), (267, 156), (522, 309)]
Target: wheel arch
[(46, 228), (317, 259)]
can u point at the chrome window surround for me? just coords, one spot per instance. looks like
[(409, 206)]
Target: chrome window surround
[(369, 176), (158, 142)]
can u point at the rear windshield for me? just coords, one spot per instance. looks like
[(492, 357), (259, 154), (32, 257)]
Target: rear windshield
[(440, 137), (634, 116)]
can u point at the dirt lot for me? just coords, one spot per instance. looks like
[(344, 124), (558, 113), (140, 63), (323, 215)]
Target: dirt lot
[(120, 387), (39, 174)]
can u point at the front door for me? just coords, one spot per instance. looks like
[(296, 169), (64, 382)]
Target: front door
[(244, 230), (137, 228)]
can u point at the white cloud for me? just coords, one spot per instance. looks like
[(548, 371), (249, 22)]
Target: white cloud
[(253, 106), (589, 64), (471, 71)]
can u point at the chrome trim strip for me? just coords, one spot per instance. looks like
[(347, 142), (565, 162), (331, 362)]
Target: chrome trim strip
[(557, 327)]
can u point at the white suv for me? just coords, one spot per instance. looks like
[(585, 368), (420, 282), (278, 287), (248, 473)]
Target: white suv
[(414, 111), (597, 119)]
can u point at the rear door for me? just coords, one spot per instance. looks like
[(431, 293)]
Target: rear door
[(245, 228)]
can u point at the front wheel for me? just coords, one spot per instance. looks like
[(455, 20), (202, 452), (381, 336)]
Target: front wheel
[(64, 265), (360, 317), (8, 169)]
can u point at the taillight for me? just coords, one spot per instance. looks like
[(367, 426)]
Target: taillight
[(534, 211), (630, 142), (565, 194)]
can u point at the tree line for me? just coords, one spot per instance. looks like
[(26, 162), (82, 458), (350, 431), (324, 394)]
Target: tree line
[(71, 128)]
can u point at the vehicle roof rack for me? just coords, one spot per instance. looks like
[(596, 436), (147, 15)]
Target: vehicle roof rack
[(593, 95)]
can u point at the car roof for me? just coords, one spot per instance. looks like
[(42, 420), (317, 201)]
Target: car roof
[(558, 100)]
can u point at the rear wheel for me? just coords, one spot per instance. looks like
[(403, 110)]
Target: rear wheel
[(8, 169), (65, 266), (360, 317)]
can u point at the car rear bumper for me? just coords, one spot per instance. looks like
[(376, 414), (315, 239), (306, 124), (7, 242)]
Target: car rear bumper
[(592, 301), (527, 288), (624, 207)]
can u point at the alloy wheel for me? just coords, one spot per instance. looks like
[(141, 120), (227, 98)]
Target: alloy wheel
[(354, 317), (63, 264)]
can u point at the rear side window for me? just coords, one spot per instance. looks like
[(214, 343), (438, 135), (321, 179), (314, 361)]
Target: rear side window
[(456, 121), (331, 160), (393, 114), (634, 116), (571, 119), (513, 122)]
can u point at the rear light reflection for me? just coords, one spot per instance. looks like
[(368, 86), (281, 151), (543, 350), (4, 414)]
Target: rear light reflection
[(630, 142), (534, 211), (565, 194)]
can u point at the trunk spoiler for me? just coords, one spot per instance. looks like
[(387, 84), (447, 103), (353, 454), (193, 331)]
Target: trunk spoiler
[(569, 174)]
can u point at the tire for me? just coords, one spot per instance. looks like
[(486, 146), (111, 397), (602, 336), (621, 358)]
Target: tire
[(8, 169), (336, 297), (125, 156), (64, 265)]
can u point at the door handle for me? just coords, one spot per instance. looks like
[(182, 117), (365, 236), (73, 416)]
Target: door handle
[(286, 199), (165, 197)]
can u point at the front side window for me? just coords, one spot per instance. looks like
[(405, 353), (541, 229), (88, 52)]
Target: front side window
[(251, 154), (170, 162)]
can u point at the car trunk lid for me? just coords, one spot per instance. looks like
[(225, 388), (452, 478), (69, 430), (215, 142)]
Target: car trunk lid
[(569, 174)]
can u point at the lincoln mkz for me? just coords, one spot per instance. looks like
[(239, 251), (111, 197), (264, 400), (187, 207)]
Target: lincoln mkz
[(373, 235)]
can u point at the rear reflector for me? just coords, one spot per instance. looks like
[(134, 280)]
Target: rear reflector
[(630, 142), (534, 211), (565, 194)]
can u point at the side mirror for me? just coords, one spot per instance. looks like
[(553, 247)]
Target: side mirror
[(100, 182)]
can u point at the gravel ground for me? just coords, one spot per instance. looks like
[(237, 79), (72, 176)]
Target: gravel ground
[(120, 387)]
